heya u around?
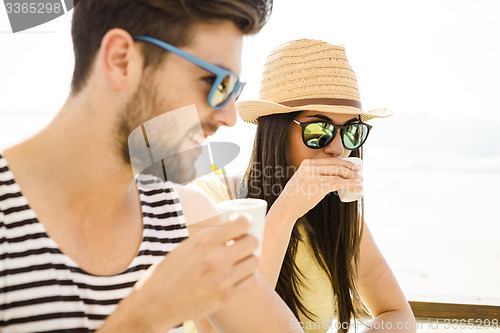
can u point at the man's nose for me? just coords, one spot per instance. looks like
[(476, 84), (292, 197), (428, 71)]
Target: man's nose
[(226, 116)]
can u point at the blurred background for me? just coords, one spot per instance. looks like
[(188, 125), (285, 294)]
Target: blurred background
[(432, 171)]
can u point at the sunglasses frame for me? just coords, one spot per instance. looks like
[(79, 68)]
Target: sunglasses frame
[(220, 73), (334, 134)]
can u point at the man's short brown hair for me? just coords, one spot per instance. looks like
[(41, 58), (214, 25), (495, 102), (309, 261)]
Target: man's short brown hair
[(168, 20)]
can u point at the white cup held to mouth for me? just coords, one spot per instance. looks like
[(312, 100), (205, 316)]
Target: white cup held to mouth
[(255, 209), (346, 195)]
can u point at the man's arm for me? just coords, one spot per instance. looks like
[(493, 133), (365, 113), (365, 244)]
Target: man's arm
[(256, 309)]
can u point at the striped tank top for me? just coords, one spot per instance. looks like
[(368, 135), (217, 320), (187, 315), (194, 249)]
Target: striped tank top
[(43, 290)]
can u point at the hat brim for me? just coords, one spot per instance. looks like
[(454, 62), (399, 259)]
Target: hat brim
[(250, 111)]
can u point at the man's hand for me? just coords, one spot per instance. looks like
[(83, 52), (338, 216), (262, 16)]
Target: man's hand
[(194, 280)]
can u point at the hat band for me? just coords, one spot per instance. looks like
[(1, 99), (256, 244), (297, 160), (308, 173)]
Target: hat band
[(322, 101)]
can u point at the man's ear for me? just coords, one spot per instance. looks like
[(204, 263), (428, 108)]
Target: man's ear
[(120, 60)]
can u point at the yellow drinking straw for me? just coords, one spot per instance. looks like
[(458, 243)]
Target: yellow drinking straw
[(215, 168)]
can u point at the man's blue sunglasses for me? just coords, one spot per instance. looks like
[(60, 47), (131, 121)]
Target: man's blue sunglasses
[(226, 83)]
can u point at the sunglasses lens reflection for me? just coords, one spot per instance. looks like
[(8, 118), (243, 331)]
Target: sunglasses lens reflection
[(224, 90), (355, 135), (318, 135)]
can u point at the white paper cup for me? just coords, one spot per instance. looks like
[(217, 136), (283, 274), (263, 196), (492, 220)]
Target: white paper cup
[(346, 195), (255, 209)]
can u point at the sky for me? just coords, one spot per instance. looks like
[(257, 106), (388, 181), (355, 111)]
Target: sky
[(435, 63), (433, 56)]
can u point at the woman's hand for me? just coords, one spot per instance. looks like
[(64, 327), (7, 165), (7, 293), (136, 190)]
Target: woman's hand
[(313, 180)]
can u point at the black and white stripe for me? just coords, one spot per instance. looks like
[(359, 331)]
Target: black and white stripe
[(43, 290)]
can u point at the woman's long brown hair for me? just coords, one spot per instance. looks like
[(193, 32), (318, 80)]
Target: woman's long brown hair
[(333, 227)]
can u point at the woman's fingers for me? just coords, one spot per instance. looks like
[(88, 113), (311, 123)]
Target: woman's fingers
[(331, 167), (336, 183), (337, 170), (333, 161), (329, 170), (326, 184)]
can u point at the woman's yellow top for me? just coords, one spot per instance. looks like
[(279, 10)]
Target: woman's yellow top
[(316, 293)]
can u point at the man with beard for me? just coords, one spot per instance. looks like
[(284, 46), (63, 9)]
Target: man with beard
[(169, 142), (83, 247)]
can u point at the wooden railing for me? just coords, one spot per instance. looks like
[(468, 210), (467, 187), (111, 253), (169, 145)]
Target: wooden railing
[(464, 308)]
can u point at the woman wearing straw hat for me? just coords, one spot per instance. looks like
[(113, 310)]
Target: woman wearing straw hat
[(317, 251)]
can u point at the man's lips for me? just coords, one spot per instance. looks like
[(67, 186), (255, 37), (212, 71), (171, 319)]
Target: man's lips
[(198, 138)]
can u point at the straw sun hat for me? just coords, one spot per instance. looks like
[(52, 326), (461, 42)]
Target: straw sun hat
[(307, 74)]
